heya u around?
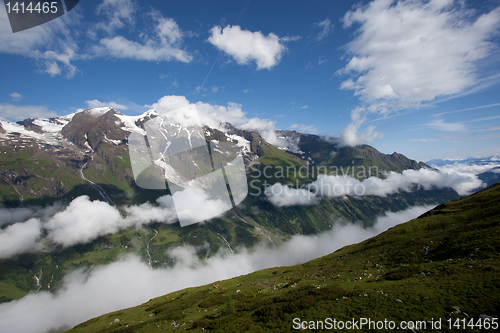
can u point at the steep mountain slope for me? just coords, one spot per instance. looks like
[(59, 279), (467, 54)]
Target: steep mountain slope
[(439, 269), (36, 166), (490, 177), (329, 152)]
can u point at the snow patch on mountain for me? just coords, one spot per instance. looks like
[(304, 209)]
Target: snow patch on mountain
[(53, 125), (242, 142), (97, 112), (12, 128), (115, 142), (129, 123)]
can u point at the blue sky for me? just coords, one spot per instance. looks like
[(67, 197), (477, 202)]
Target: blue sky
[(419, 78)]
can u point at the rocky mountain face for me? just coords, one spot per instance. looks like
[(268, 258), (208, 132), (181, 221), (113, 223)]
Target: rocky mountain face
[(43, 160), (48, 159), (89, 129)]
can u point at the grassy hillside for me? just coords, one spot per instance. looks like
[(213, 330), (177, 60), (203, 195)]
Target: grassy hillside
[(443, 265)]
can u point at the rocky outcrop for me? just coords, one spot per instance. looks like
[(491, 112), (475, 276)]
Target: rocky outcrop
[(30, 125), (91, 128)]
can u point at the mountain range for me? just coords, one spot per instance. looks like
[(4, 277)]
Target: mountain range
[(44, 160), (47, 164), (470, 161), (488, 168)]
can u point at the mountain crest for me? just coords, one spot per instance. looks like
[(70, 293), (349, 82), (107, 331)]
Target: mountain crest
[(88, 128)]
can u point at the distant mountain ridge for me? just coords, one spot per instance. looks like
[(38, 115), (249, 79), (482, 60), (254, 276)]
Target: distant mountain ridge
[(322, 151), (469, 160), (489, 175)]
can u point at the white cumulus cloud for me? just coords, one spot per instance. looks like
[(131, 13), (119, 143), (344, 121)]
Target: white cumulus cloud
[(246, 46), (82, 221), (120, 47), (19, 238), (164, 43), (335, 186), (98, 104), (283, 196), (50, 44), (405, 53), (345, 185), (415, 51)]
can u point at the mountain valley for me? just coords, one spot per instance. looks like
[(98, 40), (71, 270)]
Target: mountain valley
[(45, 164)]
